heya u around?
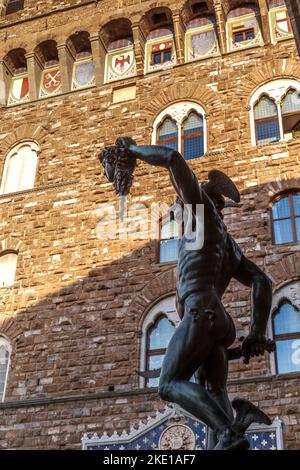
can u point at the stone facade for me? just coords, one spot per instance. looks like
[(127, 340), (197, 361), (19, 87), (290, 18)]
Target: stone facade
[(74, 314)]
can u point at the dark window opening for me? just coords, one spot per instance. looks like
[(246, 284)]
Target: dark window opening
[(159, 18), (161, 57), (245, 35), (13, 6)]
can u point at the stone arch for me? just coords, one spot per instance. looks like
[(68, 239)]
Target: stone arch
[(162, 285), (10, 329), (187, 91), (271, 70), (285, 271), (268, 191), (24, 132), (10, 244)]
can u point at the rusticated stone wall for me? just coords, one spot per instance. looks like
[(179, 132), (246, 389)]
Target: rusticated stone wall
[(73, 315)]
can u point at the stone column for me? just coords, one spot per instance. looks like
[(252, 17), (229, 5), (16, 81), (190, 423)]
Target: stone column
[(2, 7), (99, 55), (264, 14), (5, 77), (221, 27), (139, 48), (34, 69), (66, 61), (179, 35)]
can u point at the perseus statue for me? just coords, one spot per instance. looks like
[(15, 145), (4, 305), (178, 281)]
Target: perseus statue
[(200, 344)]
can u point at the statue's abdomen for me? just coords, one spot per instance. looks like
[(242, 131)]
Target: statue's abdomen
[(199, 270)]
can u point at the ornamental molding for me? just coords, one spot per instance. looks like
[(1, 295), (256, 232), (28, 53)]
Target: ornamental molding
[(275, 89), (135, 430), (178, 112), (175, 436)]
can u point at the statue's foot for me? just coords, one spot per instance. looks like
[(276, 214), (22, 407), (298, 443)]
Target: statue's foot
[(246, 414), (229, 440)]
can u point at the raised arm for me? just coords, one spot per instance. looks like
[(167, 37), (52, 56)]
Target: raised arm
[(183, 179)]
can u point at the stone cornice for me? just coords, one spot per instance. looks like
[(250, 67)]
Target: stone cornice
[(131, 393)]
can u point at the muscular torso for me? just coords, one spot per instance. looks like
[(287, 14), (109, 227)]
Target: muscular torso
[(210, 267)]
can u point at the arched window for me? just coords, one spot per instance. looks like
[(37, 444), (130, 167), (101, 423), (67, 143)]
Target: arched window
[(275, 111), (157, 330), (20, 168), (160, 49), (13, 6), (243, 27), (168, 241), (286, 218), (5, 351), (182, 126), (286, 328), (266, 121), (168, 133), (290, 108), (192, 136), (8, 266), (158, 337)]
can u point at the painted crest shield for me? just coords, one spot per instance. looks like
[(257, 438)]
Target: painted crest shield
[(84, 73), (51, 81), (19, 89), (121, 63)]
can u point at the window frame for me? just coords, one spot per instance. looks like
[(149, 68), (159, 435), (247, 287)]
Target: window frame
[(267, 119), (164, 219), (4, 341), (8, 252), (233, 21), (166, 306), (149, 66), (12, 2), (287, 19), (178, 112), (154, 352), (292, 216), (276, 90), (243, 32), (284, 336), (190, 136), (162, 53), (167, 141), (291, 113), (12, 151)]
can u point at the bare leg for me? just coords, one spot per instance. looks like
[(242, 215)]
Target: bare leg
[(191, 345), (216, 371)]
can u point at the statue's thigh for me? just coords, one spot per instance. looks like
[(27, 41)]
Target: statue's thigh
[(188, 349)]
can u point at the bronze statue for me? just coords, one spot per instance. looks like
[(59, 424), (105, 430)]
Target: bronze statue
[(201, 341)]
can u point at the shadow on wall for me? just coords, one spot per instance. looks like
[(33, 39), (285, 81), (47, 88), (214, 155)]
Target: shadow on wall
[(85, 337)]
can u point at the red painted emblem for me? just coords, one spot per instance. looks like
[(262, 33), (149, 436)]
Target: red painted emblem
[(51, 81)]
